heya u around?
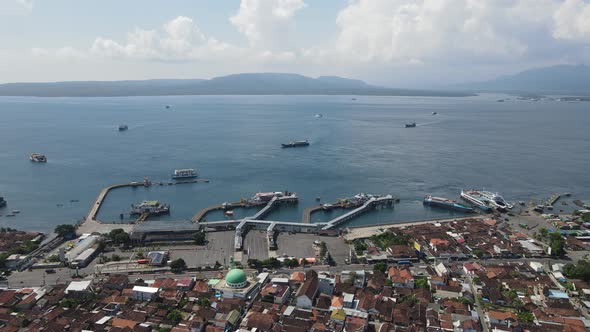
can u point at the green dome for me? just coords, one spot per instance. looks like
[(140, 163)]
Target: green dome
[(235, 277)]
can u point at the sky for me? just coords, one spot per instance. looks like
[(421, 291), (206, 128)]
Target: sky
[(398, 43)]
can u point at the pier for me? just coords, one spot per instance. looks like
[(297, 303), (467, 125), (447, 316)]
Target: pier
[(306, 218), (274, 202), (371, 203), (553, 199)]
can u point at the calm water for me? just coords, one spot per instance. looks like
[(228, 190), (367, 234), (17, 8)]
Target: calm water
[(523, 149)]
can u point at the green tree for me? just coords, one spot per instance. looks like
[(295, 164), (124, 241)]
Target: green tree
[(291, 263), (323, 249), (204, 302), (174, 316), (200, 238), (359, 246), (381, 266), (421, 283), (65, 230), (557, 243), (543, 232), (254, 263), (178, 265), (525, 316), (69, 303)]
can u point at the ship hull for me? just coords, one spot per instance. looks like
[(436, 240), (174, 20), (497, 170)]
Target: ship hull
[(448, 205)]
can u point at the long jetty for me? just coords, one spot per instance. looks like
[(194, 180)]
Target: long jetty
[(368, 205), (274, 202), (199, 216), (553, 199)]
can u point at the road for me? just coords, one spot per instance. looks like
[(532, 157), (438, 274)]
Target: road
[(478, 308)]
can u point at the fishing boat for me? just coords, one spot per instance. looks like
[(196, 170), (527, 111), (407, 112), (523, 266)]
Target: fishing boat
[(38, 158), (295, 144), (411, 125)]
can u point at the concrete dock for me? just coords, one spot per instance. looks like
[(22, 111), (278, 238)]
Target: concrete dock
[(371, 203)]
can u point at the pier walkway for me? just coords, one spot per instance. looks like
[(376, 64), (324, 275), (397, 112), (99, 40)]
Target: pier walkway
[(369, 204), (275, 201), (306, 219), (553, 199)]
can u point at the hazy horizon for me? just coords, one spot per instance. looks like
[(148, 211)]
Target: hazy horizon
[(393, 43)]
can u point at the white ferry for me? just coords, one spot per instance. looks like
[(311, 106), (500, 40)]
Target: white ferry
[(187, 173)]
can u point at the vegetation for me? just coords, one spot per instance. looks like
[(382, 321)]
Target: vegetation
[(359, 246), (581, 270), (556, 243), (69, 303), (200, 238), (291, 263), (65, 230), (204, 302), (178, 265), (421, 283), (174, 316), (388, 239), (53, 259), (271, 263), (586, 217), (119, 237), (477, 252), (381, 266), (525, 316), (7, 229), (323, 249)]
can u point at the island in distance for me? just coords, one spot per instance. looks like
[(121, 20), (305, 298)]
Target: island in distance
[(237, 84)]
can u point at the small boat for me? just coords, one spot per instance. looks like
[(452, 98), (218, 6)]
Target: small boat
[(167, 106), (74, 200), (151, 207), (500, 100), (2, 202), (318, 198), (352, 98), (411, 125), (15, 211), (123, 127), (38, 158), (295, 144), (318, 115), (229, 213), (434, 113), (521, 203), (10, 215)]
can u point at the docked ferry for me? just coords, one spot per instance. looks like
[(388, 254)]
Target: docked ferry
[(476, 198), (295, 144), (496, 201), (151, 207), (38, 158), (446, 203), (186, 173)]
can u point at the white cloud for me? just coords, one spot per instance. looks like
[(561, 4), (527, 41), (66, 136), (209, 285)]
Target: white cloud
[(267, 24), (15, 7), (59, 53), (572, 20), (179, 40)]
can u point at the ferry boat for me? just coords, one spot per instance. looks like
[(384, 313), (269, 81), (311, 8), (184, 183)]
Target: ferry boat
[(446, 203), (295, 144), (474, 197), (185, 173), (38, 158), (411, 125), (496, 201), (151, 207), (267, 196), (2, 202), (123, 127)]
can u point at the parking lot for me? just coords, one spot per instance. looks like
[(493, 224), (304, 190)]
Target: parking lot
[(301, 245), (256, 245)]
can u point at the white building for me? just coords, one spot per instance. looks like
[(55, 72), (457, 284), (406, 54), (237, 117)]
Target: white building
[(142, 293), (537, 266), (79, 288)]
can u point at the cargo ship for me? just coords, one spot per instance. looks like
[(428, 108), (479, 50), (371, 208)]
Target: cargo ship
[(186, 173), (38, 158), (151, 207), (411, 125), (295, 144), (475, 198), (446, 203)]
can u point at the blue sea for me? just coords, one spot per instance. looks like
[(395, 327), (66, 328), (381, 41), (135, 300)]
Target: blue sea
[(522, 149)]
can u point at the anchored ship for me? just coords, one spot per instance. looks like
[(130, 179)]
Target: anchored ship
[(446, 203), (474, 197), (186, 173), (38, 158), (151, 207), (295, 144)]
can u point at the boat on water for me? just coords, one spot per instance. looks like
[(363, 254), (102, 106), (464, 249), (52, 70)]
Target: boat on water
[(15, 211), (434, 113), (318, 115), (411, 125), (488, 199), (446, 203), (295, 144), (229, 213), (38, 158), (123, 127), (167, 106), (2, 202), (151, 207), (475, 198), (185, 173)]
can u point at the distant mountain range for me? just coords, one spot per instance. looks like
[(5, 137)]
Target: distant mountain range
[(571, 79), (238, 84)]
